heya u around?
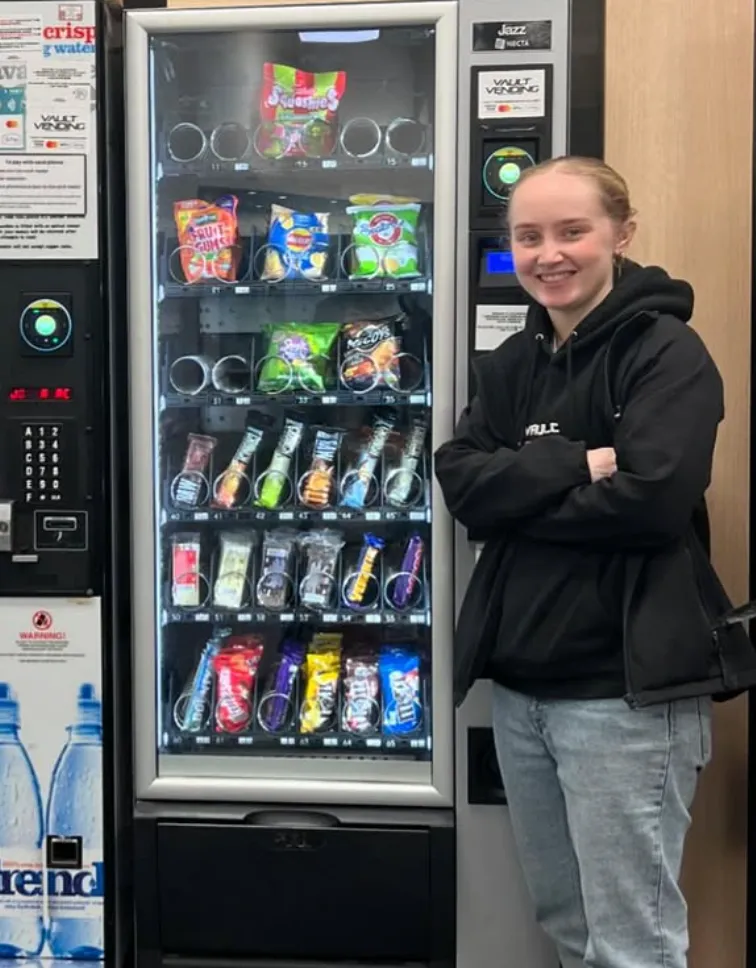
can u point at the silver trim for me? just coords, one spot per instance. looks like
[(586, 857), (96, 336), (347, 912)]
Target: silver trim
[(370, 782)]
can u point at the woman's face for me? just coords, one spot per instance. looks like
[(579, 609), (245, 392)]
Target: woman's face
[(563, 242)]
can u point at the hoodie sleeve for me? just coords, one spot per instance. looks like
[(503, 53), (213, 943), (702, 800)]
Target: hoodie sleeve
[(665, 446), (487, 486)]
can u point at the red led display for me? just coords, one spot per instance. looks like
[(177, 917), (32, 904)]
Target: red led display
[(40, 394)]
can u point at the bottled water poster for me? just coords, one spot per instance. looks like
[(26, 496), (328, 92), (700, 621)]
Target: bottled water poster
[(51, 778)]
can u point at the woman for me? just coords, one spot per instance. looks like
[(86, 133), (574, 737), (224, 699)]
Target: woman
[(582, 463)]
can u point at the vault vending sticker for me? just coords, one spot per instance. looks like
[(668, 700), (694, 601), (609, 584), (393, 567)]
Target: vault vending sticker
[(48, 145), (517, 93)]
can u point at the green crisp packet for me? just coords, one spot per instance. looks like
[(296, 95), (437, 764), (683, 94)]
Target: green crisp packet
[(297, 357), (384, 237)]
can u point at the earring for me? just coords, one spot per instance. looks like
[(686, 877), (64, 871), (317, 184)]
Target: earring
[(618, 260)]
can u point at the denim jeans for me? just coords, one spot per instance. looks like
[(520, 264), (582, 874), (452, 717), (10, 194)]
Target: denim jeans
[(599, 798)]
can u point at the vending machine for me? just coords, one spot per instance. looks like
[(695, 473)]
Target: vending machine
[(64, 749), (291, 249)]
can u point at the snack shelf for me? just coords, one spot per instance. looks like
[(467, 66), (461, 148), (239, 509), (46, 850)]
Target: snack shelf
[(251, 516), (294, 742), (335, 277), (300, 616), (205, 168), (330, 398)]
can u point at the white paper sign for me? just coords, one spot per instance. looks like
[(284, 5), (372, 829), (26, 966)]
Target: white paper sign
[(48, 143), (512, 94), (494, 324)]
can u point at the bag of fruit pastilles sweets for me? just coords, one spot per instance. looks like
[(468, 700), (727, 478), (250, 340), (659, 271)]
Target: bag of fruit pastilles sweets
[(208, 237)]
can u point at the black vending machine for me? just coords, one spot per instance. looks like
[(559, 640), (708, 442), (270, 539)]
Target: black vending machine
[(65, 807)]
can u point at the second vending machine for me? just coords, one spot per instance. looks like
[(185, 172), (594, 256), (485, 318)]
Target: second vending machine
[(291, 196)]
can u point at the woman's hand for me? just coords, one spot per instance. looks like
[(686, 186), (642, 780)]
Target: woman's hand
[(602, 463)]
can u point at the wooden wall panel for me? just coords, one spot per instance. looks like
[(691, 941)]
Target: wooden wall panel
[(679, 112), (679, 91)]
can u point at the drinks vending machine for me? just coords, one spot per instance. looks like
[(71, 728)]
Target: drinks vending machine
[(64, 759)]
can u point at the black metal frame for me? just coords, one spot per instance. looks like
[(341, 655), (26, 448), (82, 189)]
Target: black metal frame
[(586, 78), (751, 789)]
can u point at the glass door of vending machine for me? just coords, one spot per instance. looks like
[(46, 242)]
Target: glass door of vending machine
[(291, 240)]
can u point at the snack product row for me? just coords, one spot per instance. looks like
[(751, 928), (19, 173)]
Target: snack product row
[(383, 242), (334, 468), (297, 117), (358, 357), (314, 687), (311, 570)]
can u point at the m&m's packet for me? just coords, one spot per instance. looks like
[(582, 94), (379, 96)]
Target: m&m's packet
[(297, 357), (400, 683), (297, 245), (235, 668), (384, 236), (322, 671), (298, 112), (208, 237), (361, 711)]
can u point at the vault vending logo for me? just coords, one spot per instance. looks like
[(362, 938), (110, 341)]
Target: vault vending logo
[(512, 94)]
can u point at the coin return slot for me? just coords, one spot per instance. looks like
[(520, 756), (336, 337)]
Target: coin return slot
[(64, 852), (59, 524)]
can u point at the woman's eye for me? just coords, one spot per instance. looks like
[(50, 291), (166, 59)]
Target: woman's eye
[(573, 233)]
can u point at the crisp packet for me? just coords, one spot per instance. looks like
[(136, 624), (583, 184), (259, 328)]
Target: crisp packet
[(276, 582), (276, 477), (229, 484), (317, 484), (275, 710), (321, 550), (297, 245), (356, 483), (370, 352), (208, 237), (384, 236), (297, 356), (399, 485), (357, 592), (235, 670), (298, 112), (233, 564), (400, 684), (322, 671), (361, 711)]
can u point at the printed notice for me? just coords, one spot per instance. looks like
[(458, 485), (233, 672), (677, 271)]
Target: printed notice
[(512, 94), (48, 144), (494, 324)]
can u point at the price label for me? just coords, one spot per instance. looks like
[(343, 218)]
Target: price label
[(330, 617), (417, 398), (286, 516), (330, 163), (417, 620), (330, 399), (420, 162), (373, 743), (372, 620), (329, 515), (372, 515), (201, 515), (246, 740), (287, 741), (417, 287), (243, 401), (241, 290), (330, 741), (417, 515), (287, 617), (245, 616), (202, 617), (202, 740)]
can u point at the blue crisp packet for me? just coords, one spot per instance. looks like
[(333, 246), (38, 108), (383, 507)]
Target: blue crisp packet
[(399, 669), (297, 245)]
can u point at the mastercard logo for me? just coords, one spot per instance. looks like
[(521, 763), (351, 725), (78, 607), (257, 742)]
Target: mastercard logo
[(10, 123), (52, 144), (504, 108)]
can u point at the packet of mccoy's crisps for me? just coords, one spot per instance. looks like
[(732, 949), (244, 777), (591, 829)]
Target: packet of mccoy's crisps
[(208, 237)]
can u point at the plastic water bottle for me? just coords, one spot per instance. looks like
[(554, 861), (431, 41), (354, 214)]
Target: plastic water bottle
[(75, 896), (22, 929)]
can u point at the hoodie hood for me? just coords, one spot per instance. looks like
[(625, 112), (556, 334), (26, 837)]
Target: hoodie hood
[(638, 290)]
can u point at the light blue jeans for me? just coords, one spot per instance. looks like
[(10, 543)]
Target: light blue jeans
[(599, 799)]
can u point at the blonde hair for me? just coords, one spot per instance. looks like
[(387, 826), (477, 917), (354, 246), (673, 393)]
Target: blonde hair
[(612, 187)]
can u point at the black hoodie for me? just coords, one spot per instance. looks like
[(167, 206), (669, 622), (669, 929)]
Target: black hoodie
[(632, 376)]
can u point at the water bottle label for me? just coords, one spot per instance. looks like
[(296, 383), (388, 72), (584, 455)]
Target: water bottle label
[(20, 882), (77, 892)]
